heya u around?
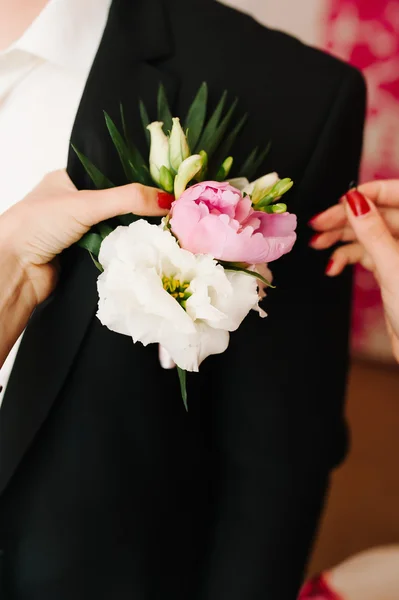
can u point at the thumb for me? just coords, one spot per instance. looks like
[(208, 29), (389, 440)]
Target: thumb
[(96, 206), (373, 233)]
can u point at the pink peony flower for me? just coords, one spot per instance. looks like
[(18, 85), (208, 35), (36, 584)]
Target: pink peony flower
[(214, 218)]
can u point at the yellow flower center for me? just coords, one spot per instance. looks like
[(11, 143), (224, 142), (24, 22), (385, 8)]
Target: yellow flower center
[(177, 289)]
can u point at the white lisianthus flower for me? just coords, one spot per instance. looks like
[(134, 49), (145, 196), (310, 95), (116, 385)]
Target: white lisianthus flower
[(156, 292), (265, 272)]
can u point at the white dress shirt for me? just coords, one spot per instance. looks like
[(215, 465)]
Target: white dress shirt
[(42, 78)]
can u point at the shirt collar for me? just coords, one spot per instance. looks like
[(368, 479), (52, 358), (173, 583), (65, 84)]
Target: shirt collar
[(66, 33)]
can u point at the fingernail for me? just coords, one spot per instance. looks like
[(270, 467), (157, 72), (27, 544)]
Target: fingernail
[(314, 218), (318, 588), (314, 239), (357, 203), (329, 266), (165, 200)]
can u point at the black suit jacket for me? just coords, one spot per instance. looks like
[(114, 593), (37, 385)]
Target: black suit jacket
[(109, 489)]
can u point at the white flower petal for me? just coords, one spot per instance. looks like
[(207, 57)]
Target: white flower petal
[(188, 352), (133, 300), (240, 301), (240, 183)]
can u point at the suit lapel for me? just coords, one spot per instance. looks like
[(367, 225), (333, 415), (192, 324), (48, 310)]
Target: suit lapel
[(136, 32)]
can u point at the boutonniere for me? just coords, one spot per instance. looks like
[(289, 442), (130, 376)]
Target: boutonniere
[(187, 283)]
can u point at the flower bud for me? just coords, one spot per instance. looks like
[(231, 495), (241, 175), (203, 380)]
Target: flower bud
[(187, 171), (278, 190), (159, 151), (261, 187), (282, 187), (240, 183), (166, 180), (178, 146), (202, 173), (275, 209), (225, 169)]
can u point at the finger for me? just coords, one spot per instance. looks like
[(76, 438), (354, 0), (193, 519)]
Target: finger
[(373, 233), (327, 236), (134, 198), (58, 181), (321, 241), (332, 218), (349, 254), (393, 336), (389, 215), (382, 193)]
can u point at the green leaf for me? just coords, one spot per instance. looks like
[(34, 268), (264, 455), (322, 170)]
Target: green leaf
[(91, 242), (183, 386), (131, 159), (212, 125), (247, 168), (105, 229), (224, 169), (100, 181), (99, 267), (234, 267), (221, 129), (127, 220), (164, 113), (260, 160), (226, 147), (121, 147), (124, 124), (196, 115), (145, 121)]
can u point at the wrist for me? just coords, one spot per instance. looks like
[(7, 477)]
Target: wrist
[(17, 299), (15, 281)]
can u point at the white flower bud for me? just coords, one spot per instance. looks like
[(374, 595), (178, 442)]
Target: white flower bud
[(178, 146), (187, 171), (159, 151), (258, 189)]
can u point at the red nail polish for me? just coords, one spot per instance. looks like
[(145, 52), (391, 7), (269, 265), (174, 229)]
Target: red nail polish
[(329, 265), (165, 200), (314, 238), (357, 203), (318, 589)]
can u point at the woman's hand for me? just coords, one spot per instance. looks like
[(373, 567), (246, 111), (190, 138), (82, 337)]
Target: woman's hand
[(51, 218), (55, 215), (367, 221)]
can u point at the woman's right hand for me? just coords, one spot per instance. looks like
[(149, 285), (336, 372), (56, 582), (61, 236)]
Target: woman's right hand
[(55, 215), (367, 221), (51, 218)]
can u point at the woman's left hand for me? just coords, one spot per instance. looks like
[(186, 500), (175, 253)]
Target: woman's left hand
[(371, 240)]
